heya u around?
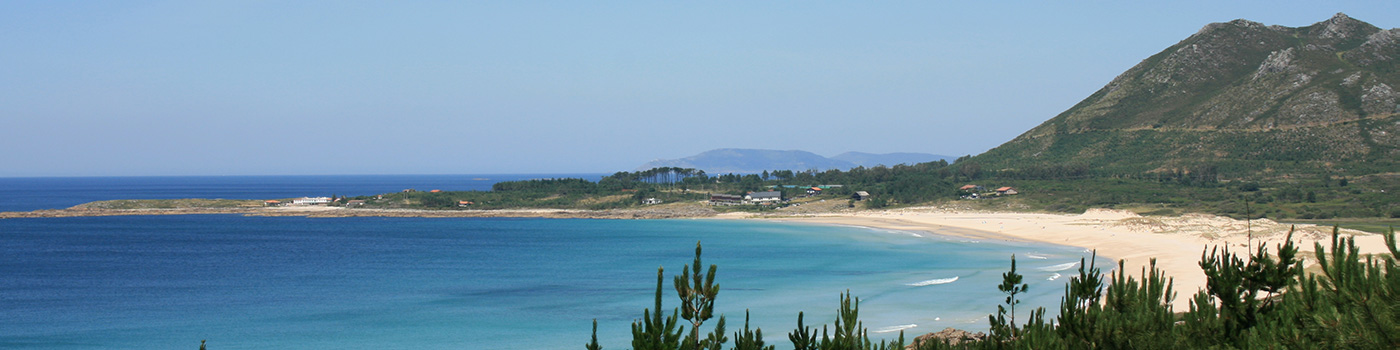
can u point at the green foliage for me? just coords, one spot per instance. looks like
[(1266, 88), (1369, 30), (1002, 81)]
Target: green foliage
[(850, 333), (804, 337), (750, 339), (593, 344), (713, 341), (1237, 284), (1082, 296), (697, 293), (1136, 314), (1002, 329), (653, 333), (1356, 304)]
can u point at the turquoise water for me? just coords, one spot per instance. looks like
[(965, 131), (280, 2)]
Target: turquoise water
[(166, 282)]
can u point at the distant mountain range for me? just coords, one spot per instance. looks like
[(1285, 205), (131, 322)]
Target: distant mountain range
[(1241, 98), (748, 161)]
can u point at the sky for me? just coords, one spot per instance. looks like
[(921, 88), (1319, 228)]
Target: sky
[(139, 88)]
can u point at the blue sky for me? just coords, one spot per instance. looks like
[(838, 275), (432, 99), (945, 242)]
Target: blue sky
[(456, 87)]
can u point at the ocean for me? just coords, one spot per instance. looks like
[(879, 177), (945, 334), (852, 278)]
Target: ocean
[(167, 282)]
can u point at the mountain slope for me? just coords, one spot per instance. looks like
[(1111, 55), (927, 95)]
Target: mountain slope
[(1241, 97)]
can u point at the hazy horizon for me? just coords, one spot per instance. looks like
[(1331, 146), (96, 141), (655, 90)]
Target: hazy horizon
[(331, 88)]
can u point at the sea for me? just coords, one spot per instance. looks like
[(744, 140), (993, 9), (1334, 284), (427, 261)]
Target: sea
[(170, 282)]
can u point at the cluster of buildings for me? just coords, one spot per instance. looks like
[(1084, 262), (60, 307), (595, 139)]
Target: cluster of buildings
[(299, 202), (765, 197), (977, 191), (771, 197)]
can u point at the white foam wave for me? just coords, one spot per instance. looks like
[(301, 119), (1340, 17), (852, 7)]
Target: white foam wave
[(933, 282), (1053, 277), (1033, 256), (1060, 267), (895, 328)]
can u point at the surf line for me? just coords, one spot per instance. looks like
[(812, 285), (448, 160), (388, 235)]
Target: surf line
[(933, 282), (896, 328), (1060, 267)]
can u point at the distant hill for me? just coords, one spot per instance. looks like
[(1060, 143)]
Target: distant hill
[(1241, 98), (889, 159), (737, 160)]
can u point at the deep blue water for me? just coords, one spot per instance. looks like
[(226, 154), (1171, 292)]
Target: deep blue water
[(165, 282)]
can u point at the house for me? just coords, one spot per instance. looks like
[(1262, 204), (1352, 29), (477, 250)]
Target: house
[(311, 200), (435, 191), (1006, 191), (860, 195), (764, 197), (814, 191), (410, 190), (272, 203), (972, 188), (355, 203), (650, 201), (725, 199), (465, 204)]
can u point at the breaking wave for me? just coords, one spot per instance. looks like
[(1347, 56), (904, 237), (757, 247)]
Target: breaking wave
[(933, 282), (895, 328), (1060, 267)]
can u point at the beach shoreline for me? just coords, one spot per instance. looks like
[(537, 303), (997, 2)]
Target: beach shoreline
[(1176, 243)]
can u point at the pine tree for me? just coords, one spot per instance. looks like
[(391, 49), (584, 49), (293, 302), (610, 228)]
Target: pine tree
[(1359, 300), (593, 345), (1237, 285), (652, 333), (1001, 328), (750, 339), (803, 338), (697, 299), (850, 333), (1082, 294)]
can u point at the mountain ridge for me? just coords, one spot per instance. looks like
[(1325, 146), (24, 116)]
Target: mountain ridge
[(1241, 97)]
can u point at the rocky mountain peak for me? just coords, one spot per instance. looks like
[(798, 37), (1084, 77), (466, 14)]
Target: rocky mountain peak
[(1238, 23), (1341, 26), (1240, 95)]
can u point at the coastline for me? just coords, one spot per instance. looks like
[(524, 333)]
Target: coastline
[(1176, 243)]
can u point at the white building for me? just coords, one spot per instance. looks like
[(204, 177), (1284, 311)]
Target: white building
[(311, 200), (764, 197)]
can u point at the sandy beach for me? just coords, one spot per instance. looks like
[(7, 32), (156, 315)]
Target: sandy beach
[(1176, 242)]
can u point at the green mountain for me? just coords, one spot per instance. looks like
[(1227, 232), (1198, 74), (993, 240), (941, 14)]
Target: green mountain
[(1240, 99)]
